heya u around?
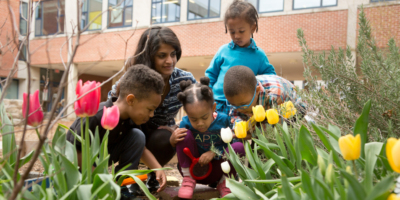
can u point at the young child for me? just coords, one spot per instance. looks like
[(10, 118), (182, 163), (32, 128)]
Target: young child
[(203, 131), (241, 20), (140, 94), (243, 91)]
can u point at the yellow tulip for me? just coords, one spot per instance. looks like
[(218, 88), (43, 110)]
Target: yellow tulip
[(393, 197), (272, 116), (288, 109), (329, 174), (259, 113), (241, 129), (350, 146), (321, 164), (392, 150)]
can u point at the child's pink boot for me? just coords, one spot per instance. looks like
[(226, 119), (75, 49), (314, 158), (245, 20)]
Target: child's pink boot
[(223, 190), (187, 187)]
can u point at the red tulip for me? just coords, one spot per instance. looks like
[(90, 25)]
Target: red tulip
[(35, 116), (110, 117), (88, 105)]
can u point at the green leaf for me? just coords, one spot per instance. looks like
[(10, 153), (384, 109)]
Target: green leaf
[(380, 189), (290, 179), (361, 126), (306, 146), (104, 185), (267, 165), (8, 136), (356, 190), (263, 197), (287, 189), (307, 185), (71, 191), (103, 147), (101, 168), (240, 191), (59, 178), (288, 141), (327, 193), (282, 165), (95, 144), (372, 150), (280, 143), (72, 173), (84, 191)]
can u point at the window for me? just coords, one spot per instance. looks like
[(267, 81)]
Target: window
[(23, 16), (120, 13), (49, 17), (264, 6), (303, 4), (201, 9), (90, 10), (12, 90), (165, 11)]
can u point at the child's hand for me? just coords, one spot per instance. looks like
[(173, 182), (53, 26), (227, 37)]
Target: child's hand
[(162, 180), (206, 157), (177, 136)]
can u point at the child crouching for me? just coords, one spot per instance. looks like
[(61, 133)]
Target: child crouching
[(202, 137)]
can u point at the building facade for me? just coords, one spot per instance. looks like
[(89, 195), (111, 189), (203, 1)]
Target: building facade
[(198, 24)]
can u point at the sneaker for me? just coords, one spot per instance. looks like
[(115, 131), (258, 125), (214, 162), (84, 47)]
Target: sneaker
[(152, 183), (187, 187), (223, 190)]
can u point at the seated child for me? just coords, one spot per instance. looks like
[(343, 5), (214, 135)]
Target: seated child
[(243, 91), (140, 94), (202, 129)]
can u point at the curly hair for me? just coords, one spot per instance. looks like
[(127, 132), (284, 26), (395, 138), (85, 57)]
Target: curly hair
[(244, 10), (156, 35), (239, 79), (196, 92), (140, 80)]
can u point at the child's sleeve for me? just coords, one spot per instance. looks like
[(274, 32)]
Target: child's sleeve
[(213, 70), (266, 67)]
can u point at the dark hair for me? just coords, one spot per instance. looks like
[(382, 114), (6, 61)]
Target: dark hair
[(196, 92), (140, 80), (243, 10), (156, 35), (238, 80)]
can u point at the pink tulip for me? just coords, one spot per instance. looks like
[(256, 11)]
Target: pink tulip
[(110, 117), (88, 105), (35, 116)]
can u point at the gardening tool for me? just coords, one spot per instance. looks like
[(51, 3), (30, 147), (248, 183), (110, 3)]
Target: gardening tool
[(197, 171)]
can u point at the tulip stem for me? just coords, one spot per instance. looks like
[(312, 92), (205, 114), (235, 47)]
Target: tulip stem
[(88, 157), (355, 169)]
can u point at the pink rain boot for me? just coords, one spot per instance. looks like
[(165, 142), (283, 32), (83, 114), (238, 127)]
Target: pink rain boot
[(187, 187), (223, 190)]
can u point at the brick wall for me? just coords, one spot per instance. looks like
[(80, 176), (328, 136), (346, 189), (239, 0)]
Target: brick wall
[(385, 23), (276, 34), (8, 52)]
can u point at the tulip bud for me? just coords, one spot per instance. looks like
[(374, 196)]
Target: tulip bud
[(110, 117), (88, 105), (321, 165), (329, 174), (226, 168), (241, 129), (392, 151), (226, 135), (288, 109), (272, 116), (350, 146), (35, 114), (259, 113)]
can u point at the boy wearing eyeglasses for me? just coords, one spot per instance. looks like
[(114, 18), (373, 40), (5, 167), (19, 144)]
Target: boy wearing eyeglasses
[(243, 91)]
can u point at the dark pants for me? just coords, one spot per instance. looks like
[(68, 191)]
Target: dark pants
[(128, 151), (157, 142), (216, 173)]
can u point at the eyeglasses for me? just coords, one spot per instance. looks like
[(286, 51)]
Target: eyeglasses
[(243, 106)]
